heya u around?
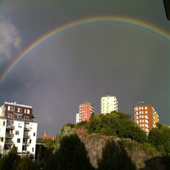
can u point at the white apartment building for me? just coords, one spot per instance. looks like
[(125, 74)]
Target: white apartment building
[(108, 104), (77, 118), (18, 128)]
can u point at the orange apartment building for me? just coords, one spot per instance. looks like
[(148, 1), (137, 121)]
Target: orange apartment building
[(145, 116), (85, 111)]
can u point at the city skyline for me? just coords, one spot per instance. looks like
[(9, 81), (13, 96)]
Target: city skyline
[(98, 47)]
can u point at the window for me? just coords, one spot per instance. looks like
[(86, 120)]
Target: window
[(146, 108), (16, 132), (26, 133), (34, 134), (146, 111), (10, 108), (9, 123), (1, 139), (27, 111), (26, 118), (32, 149), (9, 116), (18, 116), (30, 140), (142, 108), (142, 112), (139, 107), (20, 125), (19, 110), (18, 140), (3, 123)]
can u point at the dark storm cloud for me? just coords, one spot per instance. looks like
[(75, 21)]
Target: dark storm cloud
[(85, 63)]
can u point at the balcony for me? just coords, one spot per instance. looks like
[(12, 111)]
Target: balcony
[(9, 135), (146, 117), (27, 128), (10, 127), (33, 116), (146, 121), (9, 142), (26, 136)]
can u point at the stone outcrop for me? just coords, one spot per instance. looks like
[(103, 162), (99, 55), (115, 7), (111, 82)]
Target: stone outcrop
[(144, 159)]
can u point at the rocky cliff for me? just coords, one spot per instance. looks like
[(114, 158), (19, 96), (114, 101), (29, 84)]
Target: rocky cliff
[(144, 159)]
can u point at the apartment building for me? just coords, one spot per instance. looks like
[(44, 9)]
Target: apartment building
[(145, 116), (18, 128), (85, 111), (108, 104)]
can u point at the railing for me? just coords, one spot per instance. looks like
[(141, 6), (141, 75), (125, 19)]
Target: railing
[(10, 127), (9, 142), (26, 136), (33, 116), (9, 136), (26, 128)]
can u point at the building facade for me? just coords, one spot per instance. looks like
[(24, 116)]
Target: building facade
[(85, 111), (108, 104), (77, 118), (48, 137), (145, 116), (18, 128)]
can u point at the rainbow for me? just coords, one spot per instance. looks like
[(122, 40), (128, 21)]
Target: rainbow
[(94, 20)]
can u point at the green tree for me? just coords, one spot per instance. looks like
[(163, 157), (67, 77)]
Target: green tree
[(155, 137), (166, 137), (27, 164), (71, 155), (10, 161), (129, 129), (82, 123), (115, 157)]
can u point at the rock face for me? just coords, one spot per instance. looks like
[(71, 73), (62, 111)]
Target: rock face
[(144, 160)]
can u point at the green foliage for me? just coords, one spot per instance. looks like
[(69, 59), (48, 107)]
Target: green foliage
[(161, 148), (166, 137), (27, 164), (159, 125), (71, 155), (66, 130), (10, 161), (146, 146), (155, 137), (115, 157), (129, 129), (82, 123), (49, 142)]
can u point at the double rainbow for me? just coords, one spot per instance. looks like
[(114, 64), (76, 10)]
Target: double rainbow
[(94, 20)]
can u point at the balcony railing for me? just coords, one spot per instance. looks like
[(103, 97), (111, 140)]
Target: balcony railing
[(9, 135), (26, 136), (27, 128), (9, 142), (10, 127)]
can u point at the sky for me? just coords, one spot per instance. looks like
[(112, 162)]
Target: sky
[(84, 62)]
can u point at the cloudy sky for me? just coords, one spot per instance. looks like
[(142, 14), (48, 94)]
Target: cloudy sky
[(85, 62)]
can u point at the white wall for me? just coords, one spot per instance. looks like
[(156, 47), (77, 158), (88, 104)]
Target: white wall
[(33, 129), (20, 136), (2, 134)]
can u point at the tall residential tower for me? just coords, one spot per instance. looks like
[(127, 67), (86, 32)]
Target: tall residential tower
[(145, 116), (85, 111), (109, 103)]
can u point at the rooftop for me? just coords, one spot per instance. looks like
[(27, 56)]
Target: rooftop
[(143, 103), (16, 104), (86, 102)]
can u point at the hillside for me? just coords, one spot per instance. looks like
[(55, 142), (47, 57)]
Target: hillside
[(144, 158)]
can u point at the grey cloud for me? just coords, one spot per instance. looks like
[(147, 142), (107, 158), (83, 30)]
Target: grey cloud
[(10, 38)]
